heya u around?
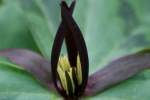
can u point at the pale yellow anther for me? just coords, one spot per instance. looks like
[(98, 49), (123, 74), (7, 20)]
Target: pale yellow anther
[(64, 66), (79, 71)]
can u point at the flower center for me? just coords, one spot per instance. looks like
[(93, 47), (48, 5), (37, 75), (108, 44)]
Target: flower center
[(66, 76)]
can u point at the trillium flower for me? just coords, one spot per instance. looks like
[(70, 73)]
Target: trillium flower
[(72, 70), (69, 74)]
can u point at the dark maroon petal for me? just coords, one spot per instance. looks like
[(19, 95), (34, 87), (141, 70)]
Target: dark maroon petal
[(70, 43), (80, 44), (116, 72), (31, 62), (60, 35)]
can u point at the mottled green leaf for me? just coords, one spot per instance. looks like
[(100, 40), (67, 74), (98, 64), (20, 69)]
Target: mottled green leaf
[(19, 85), (13, 31), (37, 24)]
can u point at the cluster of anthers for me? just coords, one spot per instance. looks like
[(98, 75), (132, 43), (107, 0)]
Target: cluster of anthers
[(70, 73), (66, 72)]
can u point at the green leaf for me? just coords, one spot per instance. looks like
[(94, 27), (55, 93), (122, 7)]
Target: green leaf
[(107, 28), (1, 2), (37, 24), (41, 33), (13, 31), (6, 62), (18, 85)]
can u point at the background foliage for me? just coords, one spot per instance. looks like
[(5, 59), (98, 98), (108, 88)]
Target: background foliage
[(111, 28)]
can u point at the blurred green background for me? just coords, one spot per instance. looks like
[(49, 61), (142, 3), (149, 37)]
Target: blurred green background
[(111, 28)]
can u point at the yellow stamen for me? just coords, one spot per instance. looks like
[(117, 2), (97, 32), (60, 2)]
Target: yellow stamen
[(64, 66), (79, 71)]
